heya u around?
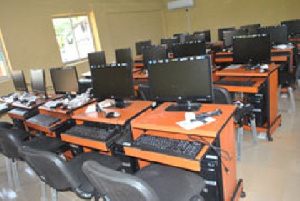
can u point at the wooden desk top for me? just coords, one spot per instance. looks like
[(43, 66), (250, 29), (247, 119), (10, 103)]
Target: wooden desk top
[(160, 120), (272, 51), (126, 114), (40, 101), (242, 72)]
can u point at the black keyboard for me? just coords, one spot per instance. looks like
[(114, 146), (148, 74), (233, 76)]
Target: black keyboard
[(182, 148), (235, 83), (43, 120), (94, 133)]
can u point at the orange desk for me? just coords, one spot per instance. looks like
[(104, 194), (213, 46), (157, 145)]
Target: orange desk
[(126, 115), (158, 122), (271, 81)]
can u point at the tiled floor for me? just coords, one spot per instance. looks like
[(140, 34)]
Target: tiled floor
[(270, 170)]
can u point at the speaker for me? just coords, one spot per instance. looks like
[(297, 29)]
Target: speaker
[(173, 5)]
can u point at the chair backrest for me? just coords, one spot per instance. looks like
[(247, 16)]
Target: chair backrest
[(144, 91), (117, 186), (222, 96), (10, 141), (5, 125), (51, 168)]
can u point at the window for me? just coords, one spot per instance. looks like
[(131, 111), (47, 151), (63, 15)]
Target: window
[(3, 60), (74, 37)]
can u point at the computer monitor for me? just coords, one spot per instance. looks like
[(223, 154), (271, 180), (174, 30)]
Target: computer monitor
[(140, 45), (220, 32), (19, 80), (241, 31), (169, 42), (206, 33), (228, 37), (38, 83), (252, 28), (123, 56), (278, 34), (97, 58), (185, 80), (194, 37), (154, 53), (252, 49), (64, 80), (181, 36), (189, 49), (293, 26), (113, 82)]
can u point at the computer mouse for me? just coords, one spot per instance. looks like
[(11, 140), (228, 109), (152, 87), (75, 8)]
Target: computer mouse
[(111, 114), (64, 107)]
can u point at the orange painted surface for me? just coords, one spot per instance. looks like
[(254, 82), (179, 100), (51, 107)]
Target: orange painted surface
[(125, 114), (84, 142)]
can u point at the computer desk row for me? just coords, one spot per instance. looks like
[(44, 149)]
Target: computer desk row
[(142, 117)]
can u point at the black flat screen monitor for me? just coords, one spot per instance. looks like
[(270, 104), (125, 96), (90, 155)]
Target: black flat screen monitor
[(189, 49), (19, 80), (252, 28), (241, 31), (181, 36), (228, 37), (188, 80), (220, 32), (140, 45), (293, 26), (206, 33), (38, 83), (278, 34), (64, 80), (169, 42), (195, 37), (112, 82), (97, 59), (123, 56), (154, 53), (252, 49)]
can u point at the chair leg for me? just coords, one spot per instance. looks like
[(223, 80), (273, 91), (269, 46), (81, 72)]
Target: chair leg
[(239, 141), (15, 175), (9, 172), (54, 194), (253, 129), (292, 100), (279, 93), (43, 191)]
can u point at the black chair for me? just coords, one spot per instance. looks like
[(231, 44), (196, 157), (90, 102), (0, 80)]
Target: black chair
[(152, 183), (65, 175), (287, 80), (222, 96)]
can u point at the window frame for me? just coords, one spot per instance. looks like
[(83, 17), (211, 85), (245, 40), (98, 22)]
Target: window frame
[(73, 34), (5, 58)]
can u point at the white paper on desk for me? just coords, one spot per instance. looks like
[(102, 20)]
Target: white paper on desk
[(233, 66), (189, 125), (90, 108)]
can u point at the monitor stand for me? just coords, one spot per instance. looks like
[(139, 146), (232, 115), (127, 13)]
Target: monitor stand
[(184, 107)]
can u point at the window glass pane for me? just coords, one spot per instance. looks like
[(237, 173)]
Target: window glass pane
[(83, 35), (65, 39), (3, 69)]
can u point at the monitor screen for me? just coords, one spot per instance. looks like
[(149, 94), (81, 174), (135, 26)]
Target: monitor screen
[(293, 26), (195, 37), (188, 79), (228, 37), (112, 82), (181, 36), (169, 42), (189, 49), (123, 56), (64, 79), (206, 33), (278, 34), (252, 28), (97, 58), (139, 46), (154, 53), (19, 80), (252, 49), (220, 32), (241, 31), (38, 84)]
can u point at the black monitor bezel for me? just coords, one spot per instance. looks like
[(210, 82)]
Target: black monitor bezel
[(183, 44), (288, 24), (220, 32), (207, 34), (250, 27), (64, 68), (102, 56), (261, 30), (151, 48), (122, 51), (139, 47), (179, 98)]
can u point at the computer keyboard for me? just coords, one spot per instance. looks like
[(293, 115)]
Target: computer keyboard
[(43, 120), (53, 104), (182, 148), (18, 111), (235, 83), (94, 133)]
